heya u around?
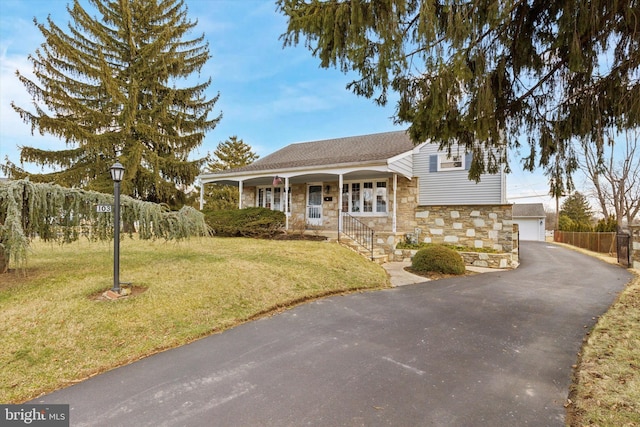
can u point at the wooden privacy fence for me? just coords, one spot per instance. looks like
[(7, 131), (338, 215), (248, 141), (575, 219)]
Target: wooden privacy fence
[(597, 242)]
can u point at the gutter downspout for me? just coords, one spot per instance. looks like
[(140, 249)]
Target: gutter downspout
[(340, 184), (286, 203), (395, 203)]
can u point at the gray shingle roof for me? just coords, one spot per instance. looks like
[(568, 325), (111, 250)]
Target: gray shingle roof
[(364, 148), (528, 210)]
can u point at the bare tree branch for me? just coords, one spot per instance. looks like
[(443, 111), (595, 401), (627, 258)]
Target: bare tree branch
[(616, 180)]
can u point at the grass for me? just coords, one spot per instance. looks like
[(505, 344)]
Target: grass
[(606, 388), (55, 334)]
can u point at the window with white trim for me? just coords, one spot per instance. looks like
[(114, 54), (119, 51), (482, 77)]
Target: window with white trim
[(450, 163), (272, 198), (365, 197)]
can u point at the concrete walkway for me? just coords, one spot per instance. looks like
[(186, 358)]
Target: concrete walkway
[(399, 276)]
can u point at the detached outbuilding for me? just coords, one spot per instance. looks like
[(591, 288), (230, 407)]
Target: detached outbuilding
[(530, 218)]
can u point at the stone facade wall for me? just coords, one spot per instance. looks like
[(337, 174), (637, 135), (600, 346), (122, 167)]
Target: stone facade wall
[(330, 208), (248, 197), (476, 226), (298, 206), (407, 200)]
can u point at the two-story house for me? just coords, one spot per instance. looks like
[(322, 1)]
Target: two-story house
[(397, 189)]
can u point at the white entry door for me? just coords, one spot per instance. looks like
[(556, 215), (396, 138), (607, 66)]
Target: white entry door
[(314, 205)]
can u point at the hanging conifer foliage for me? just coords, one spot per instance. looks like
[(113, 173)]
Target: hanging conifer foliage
[(113, 85), (491, 75), (54, 213)]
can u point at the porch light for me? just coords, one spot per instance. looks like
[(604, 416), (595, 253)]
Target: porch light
[(117, 172)]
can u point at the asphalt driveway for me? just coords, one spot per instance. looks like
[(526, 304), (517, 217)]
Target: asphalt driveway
[(492, 349)]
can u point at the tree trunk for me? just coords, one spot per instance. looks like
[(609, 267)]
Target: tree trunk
[(4, 262)]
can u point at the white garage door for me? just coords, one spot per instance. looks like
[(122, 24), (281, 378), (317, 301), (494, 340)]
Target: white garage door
[(530, 229)]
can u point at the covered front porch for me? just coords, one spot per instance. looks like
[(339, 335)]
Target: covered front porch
[(317, 200), (324, 186)]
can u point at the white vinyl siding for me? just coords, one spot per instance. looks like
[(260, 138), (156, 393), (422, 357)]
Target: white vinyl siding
[(453, 187), (403, 165)]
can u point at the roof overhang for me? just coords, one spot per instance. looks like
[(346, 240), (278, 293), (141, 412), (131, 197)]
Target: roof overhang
[(305, 174)]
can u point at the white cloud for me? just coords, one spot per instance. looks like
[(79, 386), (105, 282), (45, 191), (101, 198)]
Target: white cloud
[(15, 132), (11, 89)]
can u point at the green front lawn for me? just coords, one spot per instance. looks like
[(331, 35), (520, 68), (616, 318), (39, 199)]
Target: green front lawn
[(55, 332)]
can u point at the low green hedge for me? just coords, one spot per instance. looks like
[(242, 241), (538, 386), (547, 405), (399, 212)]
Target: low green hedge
[(438, 258), (247, 222)]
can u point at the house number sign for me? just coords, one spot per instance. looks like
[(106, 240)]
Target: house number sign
[(103, 208)]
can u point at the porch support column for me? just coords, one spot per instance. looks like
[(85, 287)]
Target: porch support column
[(286, 203), (340, 177), (240, 188), (395, 203), (201, 195)]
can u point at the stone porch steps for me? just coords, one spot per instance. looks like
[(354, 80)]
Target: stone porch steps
[(379, 255)]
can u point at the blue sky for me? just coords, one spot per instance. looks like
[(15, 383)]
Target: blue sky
[(269, 96)]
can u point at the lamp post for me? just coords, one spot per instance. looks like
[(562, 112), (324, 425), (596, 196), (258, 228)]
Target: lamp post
[(117, 172)]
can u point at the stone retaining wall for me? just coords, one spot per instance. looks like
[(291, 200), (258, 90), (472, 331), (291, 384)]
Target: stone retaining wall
[(480, 259), (477, 259)]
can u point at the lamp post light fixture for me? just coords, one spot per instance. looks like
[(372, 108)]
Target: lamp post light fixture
[(117, 172)]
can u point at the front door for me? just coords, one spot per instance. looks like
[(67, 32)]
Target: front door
[(314, 205)]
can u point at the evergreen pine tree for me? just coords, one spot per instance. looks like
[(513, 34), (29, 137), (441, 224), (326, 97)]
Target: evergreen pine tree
[(113, 88), (576, 208), (230, 154), (490, 75)]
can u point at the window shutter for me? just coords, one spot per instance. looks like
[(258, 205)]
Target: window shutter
[(467, 161), (433, 163)]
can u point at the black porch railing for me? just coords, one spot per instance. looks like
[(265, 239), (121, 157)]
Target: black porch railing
[(357, 231)]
